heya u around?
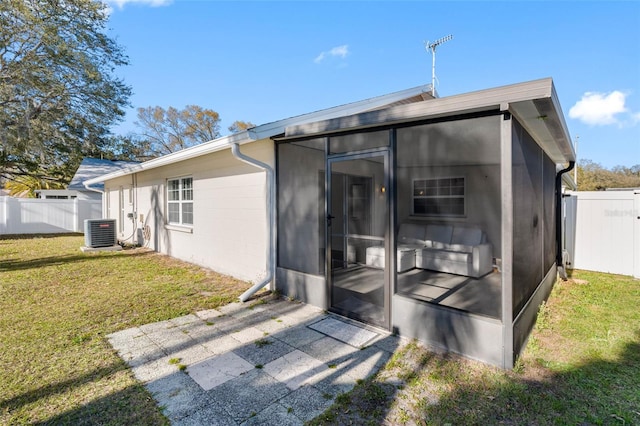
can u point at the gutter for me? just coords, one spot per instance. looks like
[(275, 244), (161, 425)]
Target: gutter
[(271, 245), (559, 261), (86, 185)]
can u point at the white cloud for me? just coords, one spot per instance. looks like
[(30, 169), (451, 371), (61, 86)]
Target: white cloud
[(338, 51), (153, 3), (599, 109)]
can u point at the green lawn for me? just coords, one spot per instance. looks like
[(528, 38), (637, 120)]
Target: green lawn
[(56, 306), (581, 367)]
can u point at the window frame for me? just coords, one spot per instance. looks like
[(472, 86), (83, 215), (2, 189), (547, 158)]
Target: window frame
[(181, 201), (437, 197)]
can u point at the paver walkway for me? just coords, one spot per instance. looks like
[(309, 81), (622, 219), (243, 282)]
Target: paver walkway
[(266, 363)]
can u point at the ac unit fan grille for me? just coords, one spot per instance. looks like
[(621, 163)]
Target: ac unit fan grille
[(100, 232)]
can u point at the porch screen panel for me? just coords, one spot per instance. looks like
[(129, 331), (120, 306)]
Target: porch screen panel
[(549, 212), (448, 203), (301, 193), (528, 217), (358, 142)]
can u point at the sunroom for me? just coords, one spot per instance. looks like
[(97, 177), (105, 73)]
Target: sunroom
[(434, 220)]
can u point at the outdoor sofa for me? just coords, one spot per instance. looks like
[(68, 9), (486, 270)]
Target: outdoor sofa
[(454, 249)]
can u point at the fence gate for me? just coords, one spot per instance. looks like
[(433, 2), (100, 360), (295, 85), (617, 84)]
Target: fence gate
[(608, 231)]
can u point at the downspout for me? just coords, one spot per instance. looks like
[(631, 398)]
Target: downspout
[(98, 191), (271, 246), (92, 189), (559, 260)]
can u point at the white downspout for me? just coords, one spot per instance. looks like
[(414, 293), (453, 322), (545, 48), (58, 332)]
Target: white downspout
[(92, 189), (102, 200), (271, 218)]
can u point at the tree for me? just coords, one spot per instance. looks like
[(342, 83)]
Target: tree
[(124, 147), (171, 130), (26, 186), (58, 94), (594, 177), (239, 125)]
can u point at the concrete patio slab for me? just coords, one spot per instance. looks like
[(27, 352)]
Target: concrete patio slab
[(347, 333), (275, 414), (306, 402), (295, 368), (218, 370), (301, 370), (249, 394), (263, 351)]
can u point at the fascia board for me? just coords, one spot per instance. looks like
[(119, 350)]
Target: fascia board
[(185, 154), (278, 127), (517, 98), (482, 100)]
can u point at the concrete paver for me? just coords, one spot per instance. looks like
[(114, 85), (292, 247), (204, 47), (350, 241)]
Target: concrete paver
[(279, 362), (218, 370)]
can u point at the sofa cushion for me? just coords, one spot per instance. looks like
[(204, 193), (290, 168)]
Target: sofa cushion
[(466, 236), (412, 234), (440, 233), (462, 248), (454, 256)]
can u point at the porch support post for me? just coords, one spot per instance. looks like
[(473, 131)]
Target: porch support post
[(391, 245), (327, 234), (506, 185)]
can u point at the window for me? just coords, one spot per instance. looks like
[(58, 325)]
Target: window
[(180, 201), (439, 197)]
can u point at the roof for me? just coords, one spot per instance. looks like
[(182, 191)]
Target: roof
[(91, 168), (535, 104), (268, 130)]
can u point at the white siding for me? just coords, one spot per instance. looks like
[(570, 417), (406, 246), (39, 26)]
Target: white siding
[(608, 232), (229, 232)]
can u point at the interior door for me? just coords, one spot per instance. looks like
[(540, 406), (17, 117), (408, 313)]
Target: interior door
[(357, 224)]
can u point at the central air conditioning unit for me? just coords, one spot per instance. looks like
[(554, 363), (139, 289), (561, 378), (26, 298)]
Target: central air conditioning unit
[(100, 233)]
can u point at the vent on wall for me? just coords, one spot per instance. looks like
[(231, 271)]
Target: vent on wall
[(100, 232)]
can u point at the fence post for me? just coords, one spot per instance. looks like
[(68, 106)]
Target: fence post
[(3, 215), (76, 215)]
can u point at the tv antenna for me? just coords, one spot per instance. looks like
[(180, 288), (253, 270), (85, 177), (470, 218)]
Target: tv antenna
[(432, 48)]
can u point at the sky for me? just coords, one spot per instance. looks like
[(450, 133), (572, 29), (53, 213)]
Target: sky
[(265, 61)]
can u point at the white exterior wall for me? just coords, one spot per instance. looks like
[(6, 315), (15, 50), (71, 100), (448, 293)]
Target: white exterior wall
[(229, 233), (608, 232)]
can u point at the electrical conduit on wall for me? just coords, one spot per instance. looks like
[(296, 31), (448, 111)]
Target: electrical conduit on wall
[(271, 251)]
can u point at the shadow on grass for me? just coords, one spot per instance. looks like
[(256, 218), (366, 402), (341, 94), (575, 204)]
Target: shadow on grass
[(440, 390), (132, 405), (17, 402), (7, 265), (5, 238)]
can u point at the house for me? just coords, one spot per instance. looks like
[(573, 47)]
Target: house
[(432, 218), (91, 168), (57, 194)]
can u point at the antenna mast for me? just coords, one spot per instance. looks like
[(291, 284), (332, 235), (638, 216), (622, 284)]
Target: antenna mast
[(432, 48)]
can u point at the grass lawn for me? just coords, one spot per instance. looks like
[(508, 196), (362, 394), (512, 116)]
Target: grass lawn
[(56, 306), (581, 367)]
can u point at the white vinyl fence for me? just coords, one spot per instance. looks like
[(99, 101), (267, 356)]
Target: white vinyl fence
[(38, 216), (607, 231)]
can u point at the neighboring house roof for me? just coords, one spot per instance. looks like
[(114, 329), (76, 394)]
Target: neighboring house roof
[(268, 130), (91, 168)]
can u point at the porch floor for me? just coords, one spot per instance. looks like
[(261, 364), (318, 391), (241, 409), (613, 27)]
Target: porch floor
[(359, 290)]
